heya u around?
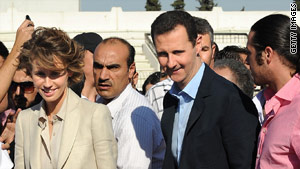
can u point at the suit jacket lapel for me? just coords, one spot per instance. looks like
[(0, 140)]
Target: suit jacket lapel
[(35, 139), (170, 108), (70, 128), (203, 91)]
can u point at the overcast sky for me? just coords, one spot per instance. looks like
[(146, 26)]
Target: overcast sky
[(227, 5)]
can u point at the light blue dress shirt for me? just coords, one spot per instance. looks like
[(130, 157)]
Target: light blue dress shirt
[(186, 99)]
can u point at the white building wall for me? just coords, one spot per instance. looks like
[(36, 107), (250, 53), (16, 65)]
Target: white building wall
[(118, 20)]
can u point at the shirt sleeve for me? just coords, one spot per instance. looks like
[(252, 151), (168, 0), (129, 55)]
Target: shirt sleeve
[(296, 137), (135, 140)]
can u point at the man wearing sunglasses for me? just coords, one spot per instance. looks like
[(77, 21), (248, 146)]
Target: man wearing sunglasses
[(23, 93)]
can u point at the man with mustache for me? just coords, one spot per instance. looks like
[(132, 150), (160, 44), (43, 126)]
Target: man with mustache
[(22, 94), (136, 127)]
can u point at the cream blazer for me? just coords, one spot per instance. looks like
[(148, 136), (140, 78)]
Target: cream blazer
[(87, 140)]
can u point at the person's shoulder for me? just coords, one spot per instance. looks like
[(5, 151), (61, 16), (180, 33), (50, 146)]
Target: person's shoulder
[(29, 112), (223, 86), (167, 83), (89, 105), (138, 105)]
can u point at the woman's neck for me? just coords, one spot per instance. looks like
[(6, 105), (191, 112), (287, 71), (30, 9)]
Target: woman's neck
[(53, 108)]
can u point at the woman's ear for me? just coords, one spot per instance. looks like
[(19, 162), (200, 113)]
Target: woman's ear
[(70, 74)]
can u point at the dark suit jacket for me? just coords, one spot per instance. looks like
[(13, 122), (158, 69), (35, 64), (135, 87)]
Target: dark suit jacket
[(222, 128)]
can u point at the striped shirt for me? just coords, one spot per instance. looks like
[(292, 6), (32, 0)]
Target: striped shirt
[(156, 95), (137, 130)]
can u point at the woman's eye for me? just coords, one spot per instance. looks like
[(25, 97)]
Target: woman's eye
[(40, 74)]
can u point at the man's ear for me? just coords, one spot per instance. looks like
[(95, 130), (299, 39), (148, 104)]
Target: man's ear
[(268, 54), (198, 43), (213, 47), (131, 70)]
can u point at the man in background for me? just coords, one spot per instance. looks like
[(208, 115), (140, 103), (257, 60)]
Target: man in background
[(136, 127), (86, 88)]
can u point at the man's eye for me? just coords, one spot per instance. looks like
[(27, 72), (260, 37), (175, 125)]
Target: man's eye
[(205, 49), (97, 66)]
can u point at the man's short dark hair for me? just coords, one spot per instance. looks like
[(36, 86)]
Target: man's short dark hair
[(231, 52), (88, 40), (241, 73), (169, 20), (203, 27)]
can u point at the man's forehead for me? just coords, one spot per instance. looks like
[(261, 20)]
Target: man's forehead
[(21, 76)]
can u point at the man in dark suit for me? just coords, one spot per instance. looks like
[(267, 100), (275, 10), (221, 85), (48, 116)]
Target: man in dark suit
[(207, 121)]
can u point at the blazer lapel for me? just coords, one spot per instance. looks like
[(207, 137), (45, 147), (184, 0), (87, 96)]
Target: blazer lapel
[(35, 139), (70, 128), (167, 121), (170, 106), (203, 92)]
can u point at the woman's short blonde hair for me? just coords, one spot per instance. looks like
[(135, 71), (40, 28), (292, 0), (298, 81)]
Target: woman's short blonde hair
[(49, 45)]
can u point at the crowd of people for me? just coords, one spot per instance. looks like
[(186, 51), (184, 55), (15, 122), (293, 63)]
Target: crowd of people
[(73, 103)]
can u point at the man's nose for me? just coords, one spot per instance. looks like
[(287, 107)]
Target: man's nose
[(104, 74)]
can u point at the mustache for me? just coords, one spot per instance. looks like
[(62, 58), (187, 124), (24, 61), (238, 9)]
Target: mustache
[(105, 81), (20, 101)]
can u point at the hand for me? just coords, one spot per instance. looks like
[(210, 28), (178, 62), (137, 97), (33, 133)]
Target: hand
[(8, 133), (23, 34)]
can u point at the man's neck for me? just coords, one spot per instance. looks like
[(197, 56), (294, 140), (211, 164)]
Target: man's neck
[(281, 78)]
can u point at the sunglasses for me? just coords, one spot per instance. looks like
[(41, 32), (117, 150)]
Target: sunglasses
[(26, 87)]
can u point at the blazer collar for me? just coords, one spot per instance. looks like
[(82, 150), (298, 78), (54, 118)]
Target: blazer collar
[(70, 128), (68, 136), (35, 138)]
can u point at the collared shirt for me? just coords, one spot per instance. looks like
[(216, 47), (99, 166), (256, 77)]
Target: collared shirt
[(137, 130), (50, 147), (186, 99), (4, 115), (259, 101), (279, 140), (156, 95)]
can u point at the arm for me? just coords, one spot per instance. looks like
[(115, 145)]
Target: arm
[(11, 63), (104, 143), (136, 140), (295, 138)]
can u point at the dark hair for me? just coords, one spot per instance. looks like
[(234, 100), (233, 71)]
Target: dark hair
[(274, 31), (49, 44), (231, 52), (169, 20), (3, 50), (241, 73), (151, 79), (203, 27), (88, 40), (131, 49)]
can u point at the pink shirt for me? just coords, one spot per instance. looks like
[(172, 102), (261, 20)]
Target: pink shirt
[(279, 139)]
